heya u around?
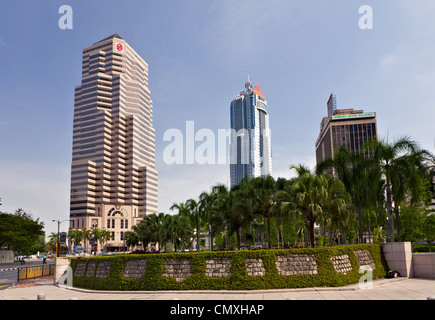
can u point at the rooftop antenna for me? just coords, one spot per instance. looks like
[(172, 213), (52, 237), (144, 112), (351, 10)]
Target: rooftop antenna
[(248, 85), (332, 104)]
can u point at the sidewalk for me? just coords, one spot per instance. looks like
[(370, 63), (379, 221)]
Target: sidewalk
[(383, 289)]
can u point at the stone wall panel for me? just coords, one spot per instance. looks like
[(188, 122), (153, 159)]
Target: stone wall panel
[(135, 268), (218, 267), (296, 264), (179, 269), (255, 267), (341, 263)]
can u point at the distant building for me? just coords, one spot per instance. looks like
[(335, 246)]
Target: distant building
[(113, 175), (250, 153), (432, 205), (348, 127)]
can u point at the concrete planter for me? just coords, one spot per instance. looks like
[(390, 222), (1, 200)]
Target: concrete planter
[(424, 265), (399, 257), (6, 256)]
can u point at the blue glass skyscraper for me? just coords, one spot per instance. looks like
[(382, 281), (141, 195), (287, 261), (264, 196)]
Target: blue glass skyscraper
[(250, 152)]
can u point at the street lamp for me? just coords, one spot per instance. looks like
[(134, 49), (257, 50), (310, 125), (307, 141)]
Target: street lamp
[(94, 225), (58, 236)]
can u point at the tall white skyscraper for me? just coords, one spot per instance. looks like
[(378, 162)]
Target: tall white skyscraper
[(113, 175), (250, 152)]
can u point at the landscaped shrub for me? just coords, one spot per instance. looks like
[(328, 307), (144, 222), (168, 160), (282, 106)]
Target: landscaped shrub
[(229, 277)]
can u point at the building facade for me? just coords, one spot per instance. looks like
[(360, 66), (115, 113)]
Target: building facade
[(348, 127), (250, 152), (113, 175)]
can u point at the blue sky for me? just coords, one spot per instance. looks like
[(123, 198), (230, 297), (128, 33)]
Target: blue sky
[(200, 54)]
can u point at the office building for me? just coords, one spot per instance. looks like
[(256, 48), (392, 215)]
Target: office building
[(113, 175), (348, 127), (250, 152)]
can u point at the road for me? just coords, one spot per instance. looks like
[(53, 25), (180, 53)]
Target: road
[(9, 272)]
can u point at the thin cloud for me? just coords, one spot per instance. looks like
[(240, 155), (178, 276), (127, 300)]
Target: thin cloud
[(390, 59), (178, 183)]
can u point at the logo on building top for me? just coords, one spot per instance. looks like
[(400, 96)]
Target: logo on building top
[(257, 90), (119, 47)]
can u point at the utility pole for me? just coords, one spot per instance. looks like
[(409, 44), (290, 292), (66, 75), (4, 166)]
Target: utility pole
[(58, 236)]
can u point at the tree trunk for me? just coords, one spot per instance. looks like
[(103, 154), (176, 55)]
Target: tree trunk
[(312, 240), (390, 218), (268, 231), (197, 235), (210, 238), (343, 238), (360, 227), (396, 213)]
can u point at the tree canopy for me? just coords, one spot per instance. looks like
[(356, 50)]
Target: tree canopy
[(20, 232)]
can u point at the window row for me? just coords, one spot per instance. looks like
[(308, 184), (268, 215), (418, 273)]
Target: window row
[(112, 224)]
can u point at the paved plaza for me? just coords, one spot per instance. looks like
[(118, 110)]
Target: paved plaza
[(383, 289)]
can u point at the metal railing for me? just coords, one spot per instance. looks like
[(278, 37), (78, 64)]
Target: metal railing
[(35, 272)]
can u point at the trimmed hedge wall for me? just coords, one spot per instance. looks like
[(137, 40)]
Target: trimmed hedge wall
[(153, 278)]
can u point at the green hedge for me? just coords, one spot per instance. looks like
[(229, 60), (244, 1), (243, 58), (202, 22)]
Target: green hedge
[(153, 278), (423, 247)]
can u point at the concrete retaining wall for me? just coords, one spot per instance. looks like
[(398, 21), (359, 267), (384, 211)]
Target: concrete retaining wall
[(400, 258), (61, 266), (423, 265), (6, 256), (232, 270)]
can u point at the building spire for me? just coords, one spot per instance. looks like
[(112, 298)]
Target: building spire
[(248, 85)]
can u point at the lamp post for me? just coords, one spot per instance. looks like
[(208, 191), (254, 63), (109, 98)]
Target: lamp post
[(58, 236), (94, 225)]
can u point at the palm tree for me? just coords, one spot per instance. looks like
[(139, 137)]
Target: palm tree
[(183, 231), (105, 235), (338, 207), (168, 226), (155, 222), (194, 212), (131, 238), (234, 209), (209, 213), (247, 206), (183, 211), (75, 236), (86, 235), (143, 232), (264, 196), (430, 165), (52, 242), (95, 233), (181, 207), (214, 216), (398, 162), (353, 170), (302, 201), (224, 204), (315, 198)]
